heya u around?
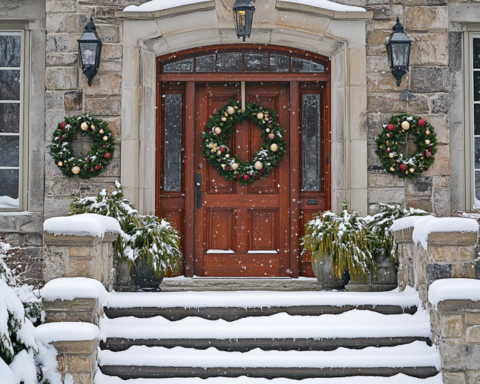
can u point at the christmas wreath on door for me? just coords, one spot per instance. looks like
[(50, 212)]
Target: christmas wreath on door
[(392, 139), (220, 127)]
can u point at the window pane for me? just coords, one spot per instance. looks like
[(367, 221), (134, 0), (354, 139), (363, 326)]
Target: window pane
[(311, 142), (278, 63), (179, 66), (205, 63), (256, 62), (477, 152), (89, 52), (173, 142), (301, 65), (9, 151), (9, 117), (229, 62), (10, 50), (476, 86), (476, 53), (9, 188), (10, 85)]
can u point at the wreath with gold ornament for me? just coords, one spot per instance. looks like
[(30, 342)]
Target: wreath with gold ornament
[(96, 160), (392, 139), (219, 129)]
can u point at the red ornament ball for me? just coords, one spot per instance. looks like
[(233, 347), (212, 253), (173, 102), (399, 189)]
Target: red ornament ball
[(239, 176), (91, 169), (256, 177), (97, 167), (428, 153), (223, 149), (391, 127), (262, 170), (89, 160), (107, 155), (63, 125), (421, 123), (403, 167), (390, 135), (60, 139), (246, 177)]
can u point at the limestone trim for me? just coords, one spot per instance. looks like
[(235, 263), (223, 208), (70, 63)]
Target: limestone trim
[(308, 9), (343, 41), (189, 8)]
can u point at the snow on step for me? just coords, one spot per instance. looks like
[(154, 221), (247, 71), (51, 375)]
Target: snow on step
[(416, 354), (261, 299), (100, 378), (351, 324)]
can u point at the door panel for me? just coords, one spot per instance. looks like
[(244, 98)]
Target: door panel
[(242, 230)]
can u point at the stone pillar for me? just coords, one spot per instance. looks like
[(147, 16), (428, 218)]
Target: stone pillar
[(77, 359), (85, 310), (79, 256)]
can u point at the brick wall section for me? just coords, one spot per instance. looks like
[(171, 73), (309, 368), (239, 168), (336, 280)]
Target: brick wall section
[(68, 93), (426, 23)]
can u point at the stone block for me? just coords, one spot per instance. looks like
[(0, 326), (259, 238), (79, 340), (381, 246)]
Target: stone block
[(55, 260), (81, 251), (439, 271), (473, 334), (78, 363), (441, 202), (378, 82), (73, 241), (62, 186), (61, 58), (105, 84), (452, 238), (451, 326), (378, 64), (429, 49), (441, 125), (420, 186), (111, 66), (460, 357), (66, 23), (459, 306), (441, 165), (439, 103), (107, 14), (386, 103), (109, 106), (61, 6), (453, 378), (426, 18), (418, 104), (380, 11), (54, 100), (61, 77), (73, 100), (109, 33), (111, 52), (80, 267), (115, 125), (472, 318), (383, 180), (441, 181), (443, 254), (419, 203), (377, 37), (386, 195), (464, 270), (429, 79), (404, 235)]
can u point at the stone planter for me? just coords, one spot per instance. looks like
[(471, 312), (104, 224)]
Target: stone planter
[(144, 278), (385, 279), (322, 269)]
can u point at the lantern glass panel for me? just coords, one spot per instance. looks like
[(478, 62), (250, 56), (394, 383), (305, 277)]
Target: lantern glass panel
[(89, 53), (400, 54)]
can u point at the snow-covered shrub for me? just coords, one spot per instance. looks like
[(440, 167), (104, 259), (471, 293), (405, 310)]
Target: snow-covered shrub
[(17, 341), (343, 238), (143, 237), (381, 238)]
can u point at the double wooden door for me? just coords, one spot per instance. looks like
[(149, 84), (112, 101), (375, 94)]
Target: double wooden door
[(229, 229)]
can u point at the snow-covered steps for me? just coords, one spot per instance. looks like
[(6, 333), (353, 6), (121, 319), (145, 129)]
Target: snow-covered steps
[(352, 329), (416, 359), (235, 305)]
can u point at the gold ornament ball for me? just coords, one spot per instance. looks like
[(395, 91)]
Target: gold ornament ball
[(274, 147), (60, 164), (391, 155), (105, 138), (101, 131), (227, 156), (427, 142), (93, 127), (427, 132), (230, 110), (76, 170), (406, 172), (219, 153), (234, 166), (223, 166), (259, 115), (406, 125), (267, 130), (268, 164), (392, 169), (224, 119), (84, 126), (412, 170), (218, 130), (258, 165)]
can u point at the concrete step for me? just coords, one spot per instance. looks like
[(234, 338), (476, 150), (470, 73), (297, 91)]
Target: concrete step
[(415, 359)]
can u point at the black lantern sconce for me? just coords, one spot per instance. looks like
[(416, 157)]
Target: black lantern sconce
[(243, 11), (398, 51), (90, 48)]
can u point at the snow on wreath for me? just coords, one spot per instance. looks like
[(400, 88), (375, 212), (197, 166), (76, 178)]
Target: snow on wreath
[(220, 127), (96, 160), (392, 139)]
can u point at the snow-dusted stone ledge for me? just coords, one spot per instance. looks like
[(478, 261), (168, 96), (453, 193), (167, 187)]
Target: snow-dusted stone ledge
[(70, 350), (431, 249), (160, 9), (80, 246), (74, 299), (325, 8)]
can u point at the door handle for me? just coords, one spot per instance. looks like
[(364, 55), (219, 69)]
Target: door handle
[(198, 185)]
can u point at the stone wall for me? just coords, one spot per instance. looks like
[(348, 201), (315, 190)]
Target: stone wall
[(425, 23)]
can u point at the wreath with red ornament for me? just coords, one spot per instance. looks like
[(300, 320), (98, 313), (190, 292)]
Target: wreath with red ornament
[(392, 140), (219, 129), (96, 160)]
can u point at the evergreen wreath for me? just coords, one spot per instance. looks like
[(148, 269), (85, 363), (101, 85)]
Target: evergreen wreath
[(392, 139), (220, 127), (95, 161)]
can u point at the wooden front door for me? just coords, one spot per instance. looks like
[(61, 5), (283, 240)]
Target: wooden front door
[(230, 230), (241, 230)]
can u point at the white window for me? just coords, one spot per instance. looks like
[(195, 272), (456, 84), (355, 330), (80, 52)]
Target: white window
[(11, 119)]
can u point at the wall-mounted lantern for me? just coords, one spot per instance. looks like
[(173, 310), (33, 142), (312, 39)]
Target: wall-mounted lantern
[(398, 51), (90, 48), (243, 11)]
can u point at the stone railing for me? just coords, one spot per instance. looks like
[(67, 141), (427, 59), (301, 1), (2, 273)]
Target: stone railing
[(432, 248), (80, 246)]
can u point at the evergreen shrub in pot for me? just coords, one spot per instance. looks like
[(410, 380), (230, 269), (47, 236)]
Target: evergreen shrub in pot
[(148, 245)]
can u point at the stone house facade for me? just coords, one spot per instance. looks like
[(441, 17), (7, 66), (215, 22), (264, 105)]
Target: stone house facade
[(125, 93)]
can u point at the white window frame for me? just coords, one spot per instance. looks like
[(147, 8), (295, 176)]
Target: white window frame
[(20, 27)]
